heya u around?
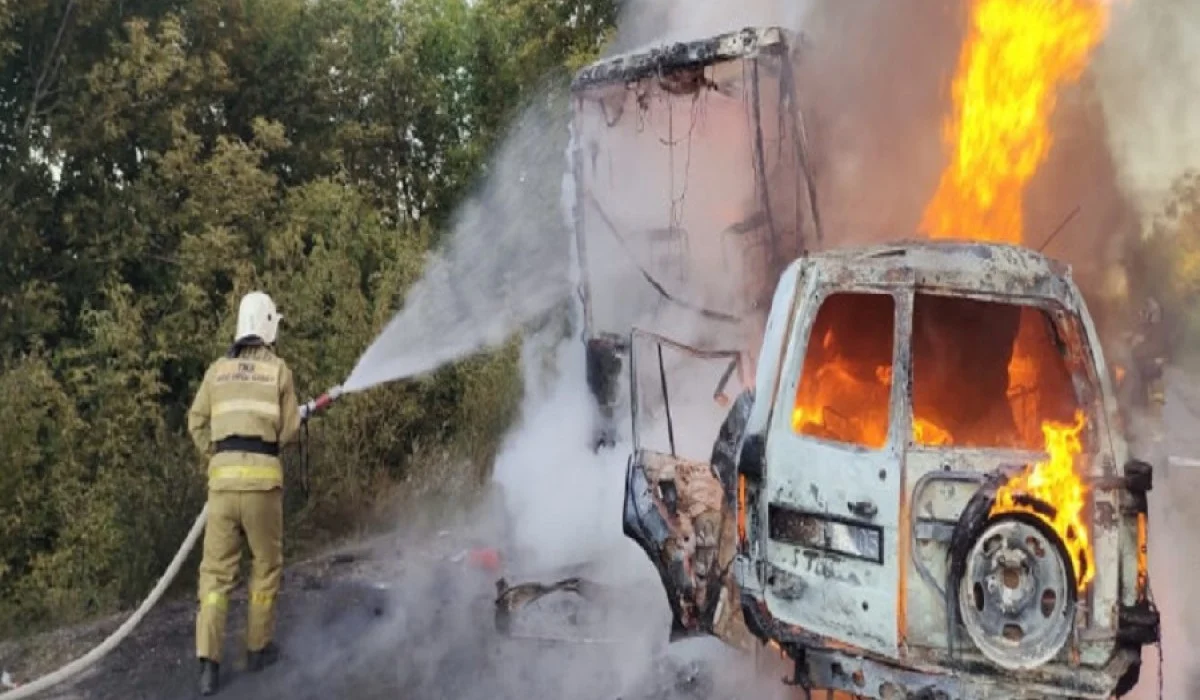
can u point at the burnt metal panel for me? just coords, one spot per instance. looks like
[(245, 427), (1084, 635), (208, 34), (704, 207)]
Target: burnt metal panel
[(679, 56), (825, 533), (828, 669), (676, 512)]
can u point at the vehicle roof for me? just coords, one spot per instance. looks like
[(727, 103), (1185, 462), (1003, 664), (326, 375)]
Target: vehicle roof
[(966, 266), (650, 61)]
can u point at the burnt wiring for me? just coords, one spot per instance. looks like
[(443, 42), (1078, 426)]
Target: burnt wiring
[(678, 200), (642, 97), (675, 215), (782, 112), (752, 99), (761, 170), (1055, 232), (662, 373), (612, 229), (800, 138), (610, 123)]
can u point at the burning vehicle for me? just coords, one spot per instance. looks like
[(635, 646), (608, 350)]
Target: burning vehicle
[(920, 485), (925, 491)]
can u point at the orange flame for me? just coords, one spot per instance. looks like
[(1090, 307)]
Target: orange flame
[(926, 432), (863, 419), (1056, 482), (1015, 57), (1143, 553), (847, 397)]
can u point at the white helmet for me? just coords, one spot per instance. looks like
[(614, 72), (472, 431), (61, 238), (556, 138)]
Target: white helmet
[(257, 316)]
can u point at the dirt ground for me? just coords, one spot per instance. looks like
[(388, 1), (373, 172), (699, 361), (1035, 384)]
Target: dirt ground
[(407, 617), (335, 618)]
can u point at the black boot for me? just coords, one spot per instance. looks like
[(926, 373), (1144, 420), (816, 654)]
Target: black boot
[(209, 675), (258, 660)]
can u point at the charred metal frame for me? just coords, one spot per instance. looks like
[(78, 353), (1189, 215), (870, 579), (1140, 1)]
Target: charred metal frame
[(680, 56), (821, 662), (680, 66), (734, 356), (650, 508)]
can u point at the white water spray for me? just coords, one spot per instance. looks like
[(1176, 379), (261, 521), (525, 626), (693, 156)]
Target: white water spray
[(503, 266)]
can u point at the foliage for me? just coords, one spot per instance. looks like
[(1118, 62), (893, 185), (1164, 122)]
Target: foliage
[(1166, 267), (159, 158)]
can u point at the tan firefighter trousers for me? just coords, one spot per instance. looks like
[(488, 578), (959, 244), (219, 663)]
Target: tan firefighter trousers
[(259, 516)]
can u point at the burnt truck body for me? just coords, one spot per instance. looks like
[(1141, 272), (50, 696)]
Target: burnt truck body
[(846, 515), (869, 551), (717, 122)]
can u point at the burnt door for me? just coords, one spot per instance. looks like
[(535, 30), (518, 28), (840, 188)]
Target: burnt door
[(833, 474)]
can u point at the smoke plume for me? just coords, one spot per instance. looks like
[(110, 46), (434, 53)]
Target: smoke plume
[(1148, 78)]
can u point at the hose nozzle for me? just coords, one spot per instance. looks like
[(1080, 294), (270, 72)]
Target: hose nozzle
[(320, 403)]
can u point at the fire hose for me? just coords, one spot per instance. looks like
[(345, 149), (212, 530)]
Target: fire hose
[(89, 659)]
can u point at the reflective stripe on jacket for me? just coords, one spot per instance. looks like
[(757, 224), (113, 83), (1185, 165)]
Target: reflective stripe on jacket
[(251, 397)]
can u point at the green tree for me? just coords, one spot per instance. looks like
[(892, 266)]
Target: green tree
[(159, 158)]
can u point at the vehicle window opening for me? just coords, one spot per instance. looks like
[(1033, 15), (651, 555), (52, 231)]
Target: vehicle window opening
[(986, 374), (845, 385)]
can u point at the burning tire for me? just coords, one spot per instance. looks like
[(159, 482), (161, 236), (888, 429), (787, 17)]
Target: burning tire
[(1017, 595)]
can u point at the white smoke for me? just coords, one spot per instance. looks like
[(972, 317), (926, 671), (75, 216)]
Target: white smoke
[(1148, 81), (564, 500), (1148, 76), (650, 21)]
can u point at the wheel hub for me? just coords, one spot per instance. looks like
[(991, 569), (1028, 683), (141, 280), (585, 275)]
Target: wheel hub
[(1016, 598)]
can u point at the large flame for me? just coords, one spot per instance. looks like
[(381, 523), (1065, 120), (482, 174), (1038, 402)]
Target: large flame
[(1055, 482), (846, 397), (844, 391), (1016, 55)]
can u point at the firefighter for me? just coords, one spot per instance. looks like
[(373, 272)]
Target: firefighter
[(244, 412), (1149, 348), (1149, 352)]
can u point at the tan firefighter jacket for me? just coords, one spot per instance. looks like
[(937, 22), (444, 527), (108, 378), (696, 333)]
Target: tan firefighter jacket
[(245, 412)]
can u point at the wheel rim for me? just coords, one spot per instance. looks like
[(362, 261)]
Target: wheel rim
[(1016, 598)]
